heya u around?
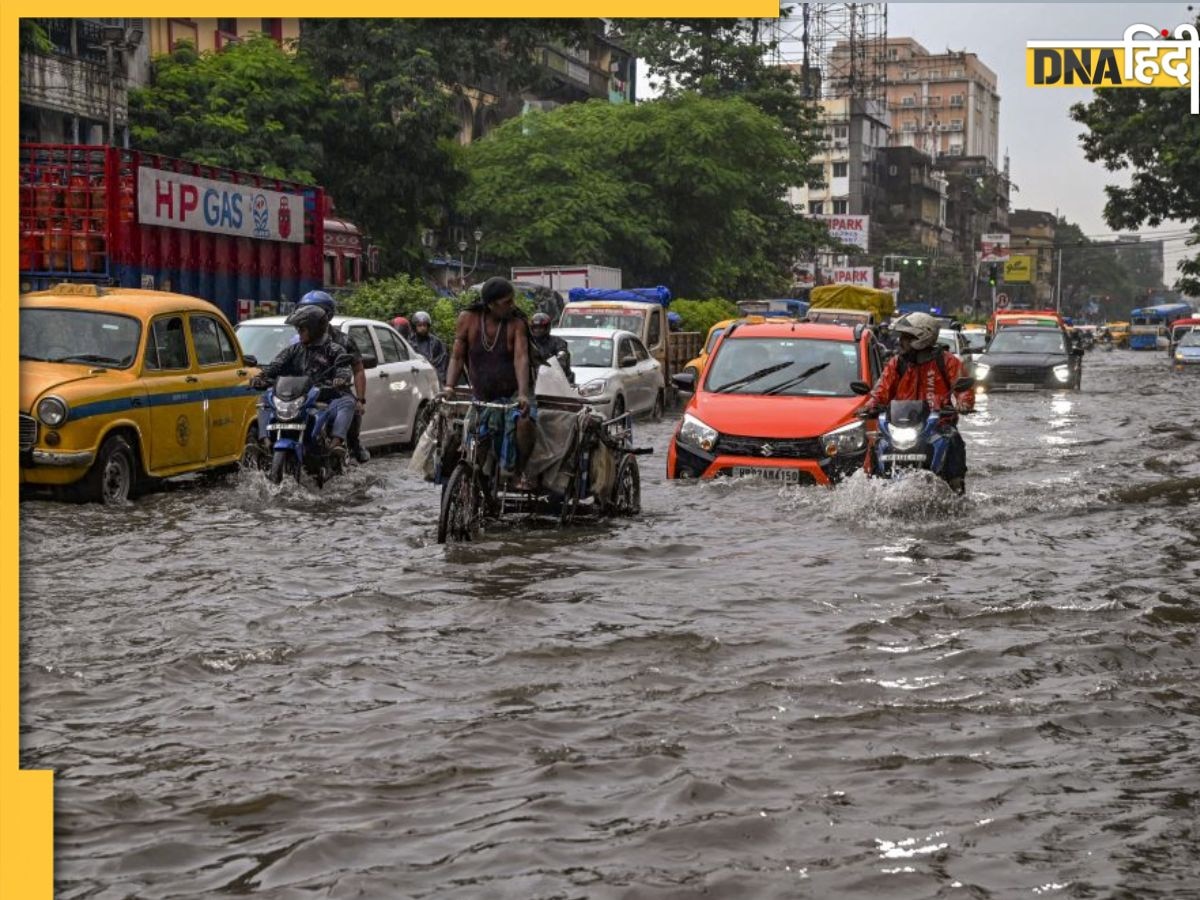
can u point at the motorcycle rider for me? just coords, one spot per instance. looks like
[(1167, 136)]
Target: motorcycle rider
[(923, 370), (326, 303), (321, 359), (401, 325), (545, 345), (428, 344)]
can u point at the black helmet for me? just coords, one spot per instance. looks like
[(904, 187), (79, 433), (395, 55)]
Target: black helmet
[(494, 289), (309, 316), (540, 322)]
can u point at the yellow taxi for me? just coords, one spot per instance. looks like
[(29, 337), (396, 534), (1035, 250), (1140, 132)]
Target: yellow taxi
[(696, 366), (1119, 332), (122, 386)]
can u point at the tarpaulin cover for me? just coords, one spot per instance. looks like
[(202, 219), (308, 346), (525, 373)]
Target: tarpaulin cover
[(659, 295), (851, 296)]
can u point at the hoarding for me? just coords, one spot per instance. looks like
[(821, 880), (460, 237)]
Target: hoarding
[(804, 274), (175, 200), (889, 281), (860, 275), (993, 248), (852, 230), (1018, 269)]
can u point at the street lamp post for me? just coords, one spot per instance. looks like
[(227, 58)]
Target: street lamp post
[(462, 248)]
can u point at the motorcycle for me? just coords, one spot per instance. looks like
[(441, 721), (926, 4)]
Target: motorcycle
[(912, 437), (299, 429)]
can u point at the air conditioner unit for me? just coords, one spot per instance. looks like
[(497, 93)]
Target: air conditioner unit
[(841, 144)]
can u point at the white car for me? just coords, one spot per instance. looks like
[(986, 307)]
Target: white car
[(614, 371), (401, 384)]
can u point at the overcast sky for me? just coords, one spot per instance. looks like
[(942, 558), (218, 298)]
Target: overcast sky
[(1036, 130)]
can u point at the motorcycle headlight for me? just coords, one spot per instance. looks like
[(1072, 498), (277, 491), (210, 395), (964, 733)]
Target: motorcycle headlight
[(288, 409), (1062, 373), (904, 437), (847, 439), (982, 369), (696, 433), (52, 411), (593, 388)]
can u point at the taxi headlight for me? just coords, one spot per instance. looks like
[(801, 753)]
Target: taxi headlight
[(289, 409), (52, 411), (1062, 373), (982, 369), (696, 433), (847, 439), (904, 437), (593, 388)]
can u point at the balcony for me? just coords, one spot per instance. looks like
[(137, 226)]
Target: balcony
[(575, 71)]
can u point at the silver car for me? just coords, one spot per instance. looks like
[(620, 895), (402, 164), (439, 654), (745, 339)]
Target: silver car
[(615, 372), (401, 384)]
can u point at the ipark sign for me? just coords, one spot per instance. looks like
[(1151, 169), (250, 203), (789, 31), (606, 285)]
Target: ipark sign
[(175, 200), (853, 230)]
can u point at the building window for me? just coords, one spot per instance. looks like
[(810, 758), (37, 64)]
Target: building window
[(956, 124), (841, 131), (908, 126), (908, 101), (892, 170), (816, 207), (956, 99), (840, 169), (229, 26), (839, 207), (935, 100), (273, 28)]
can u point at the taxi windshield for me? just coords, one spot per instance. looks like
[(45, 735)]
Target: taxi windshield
[(1040, 340), (80, 336), (590, 351), (776, 365), (264, 341)]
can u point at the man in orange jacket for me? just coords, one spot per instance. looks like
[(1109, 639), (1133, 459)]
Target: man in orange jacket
[(922, 370)]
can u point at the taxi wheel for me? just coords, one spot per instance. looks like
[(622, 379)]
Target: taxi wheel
[(112, 478), (253, 458)]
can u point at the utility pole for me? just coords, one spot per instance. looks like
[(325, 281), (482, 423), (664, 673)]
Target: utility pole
[(1058, 289)]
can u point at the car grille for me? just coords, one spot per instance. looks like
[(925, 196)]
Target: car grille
[(28, 432), (769, 448), (1029, 374)]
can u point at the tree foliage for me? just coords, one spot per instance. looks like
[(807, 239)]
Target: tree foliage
[(251, 107), (701, 315), (686, 191), (1153, 134)]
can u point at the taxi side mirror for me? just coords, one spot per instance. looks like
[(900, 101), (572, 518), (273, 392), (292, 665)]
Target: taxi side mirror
[(249, 359)]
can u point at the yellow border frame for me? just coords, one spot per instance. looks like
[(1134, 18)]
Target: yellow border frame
[(27, 797)]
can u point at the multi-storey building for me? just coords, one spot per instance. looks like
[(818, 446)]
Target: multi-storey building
[(213, 34), (1033, 232), (943, 104), (913, 205), (853, 133)]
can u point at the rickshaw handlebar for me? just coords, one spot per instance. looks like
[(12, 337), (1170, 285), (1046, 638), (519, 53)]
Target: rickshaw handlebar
[(479, 404)]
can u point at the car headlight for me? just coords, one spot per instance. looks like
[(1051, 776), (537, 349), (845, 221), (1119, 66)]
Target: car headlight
[(696, 433), (52, 411), (904, 437), (1179, 357), (289, 409), (593, 388), (981, 369), (847, 439), (1062, 373)]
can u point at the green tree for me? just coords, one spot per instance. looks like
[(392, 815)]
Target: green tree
[(1092, 270), (251, 107), (1153, 134), (701, 315), (686, 191)]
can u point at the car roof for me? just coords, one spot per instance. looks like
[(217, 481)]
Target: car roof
[(336, 321), (592, 332), (1031, 329), (815, 330), (130, 301)]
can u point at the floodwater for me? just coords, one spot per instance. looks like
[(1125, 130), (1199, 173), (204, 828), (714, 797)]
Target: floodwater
[(750, 692)]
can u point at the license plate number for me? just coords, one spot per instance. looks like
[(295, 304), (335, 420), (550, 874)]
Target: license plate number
[(278, 426), (769, 473), (1020, 386), (902, 457)]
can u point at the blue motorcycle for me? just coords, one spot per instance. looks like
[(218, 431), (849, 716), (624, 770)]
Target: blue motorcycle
[(299, 426)]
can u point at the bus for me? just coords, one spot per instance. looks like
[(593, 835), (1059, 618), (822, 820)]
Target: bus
[(1150, 326)]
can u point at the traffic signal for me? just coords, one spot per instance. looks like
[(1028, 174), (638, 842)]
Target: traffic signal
[(993, 274)]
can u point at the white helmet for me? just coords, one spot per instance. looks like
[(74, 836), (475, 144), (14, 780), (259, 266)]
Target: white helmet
[(921, 327)]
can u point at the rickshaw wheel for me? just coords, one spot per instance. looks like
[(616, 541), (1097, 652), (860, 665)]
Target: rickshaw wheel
[(462, 508), (627, 488)]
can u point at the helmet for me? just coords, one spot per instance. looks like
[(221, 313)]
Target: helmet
[(401, 325), (496, 288), (421, 318), (309, 316), (539, 321), (321, 299), (921, 327)]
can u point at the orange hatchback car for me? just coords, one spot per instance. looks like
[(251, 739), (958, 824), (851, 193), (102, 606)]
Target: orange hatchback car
[(775, 402)]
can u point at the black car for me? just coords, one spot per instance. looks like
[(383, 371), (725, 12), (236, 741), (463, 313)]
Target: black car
[(1026, 359)]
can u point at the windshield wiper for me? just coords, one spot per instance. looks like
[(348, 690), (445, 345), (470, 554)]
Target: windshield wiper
[(34, 358), (88, 358), (783, 386), (753, 376)]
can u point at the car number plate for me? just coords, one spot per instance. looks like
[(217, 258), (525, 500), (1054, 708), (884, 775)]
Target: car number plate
[(1020, 386), (768, 472), (902, 457)]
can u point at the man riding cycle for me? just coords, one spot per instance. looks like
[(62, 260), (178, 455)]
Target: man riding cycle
[(923, 370), (317, 356)]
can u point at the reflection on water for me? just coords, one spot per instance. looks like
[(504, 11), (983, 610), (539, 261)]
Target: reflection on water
[(751, 691)]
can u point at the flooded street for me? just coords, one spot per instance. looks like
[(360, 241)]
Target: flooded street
[(880, 690)]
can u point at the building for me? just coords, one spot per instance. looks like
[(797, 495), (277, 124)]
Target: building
[(75, 87), (1033, 234), (977, 200), (213, 34), (943, 104), (914, 201), (854, 131)]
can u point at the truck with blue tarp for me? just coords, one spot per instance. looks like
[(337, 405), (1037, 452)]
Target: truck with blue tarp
[(642, 311)]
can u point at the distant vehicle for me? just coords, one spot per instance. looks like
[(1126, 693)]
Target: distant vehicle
[(976, 339), (120, 387), (1150, 326), (1027, 359), (1119, 332), (614, 371), (1179, 328), (784, 308), (775, 402), (1187, 352), (563, 278), (401, 384)]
